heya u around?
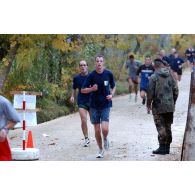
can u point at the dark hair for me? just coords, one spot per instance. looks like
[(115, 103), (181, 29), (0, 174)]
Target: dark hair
[(99, 56), (131, 56), (147, 56), (158, 62)]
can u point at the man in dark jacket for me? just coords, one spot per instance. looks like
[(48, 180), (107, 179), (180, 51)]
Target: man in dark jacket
[(161, 98)]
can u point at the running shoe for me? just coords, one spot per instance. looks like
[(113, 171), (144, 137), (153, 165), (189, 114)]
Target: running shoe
[(144, 101), (100, 154), (86, 144), (135, 97), (106, 144), (130, 96)]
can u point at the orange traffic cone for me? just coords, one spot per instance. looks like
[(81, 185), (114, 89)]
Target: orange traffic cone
[(30, 140)]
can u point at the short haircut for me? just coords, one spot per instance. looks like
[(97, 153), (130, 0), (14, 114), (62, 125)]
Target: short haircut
[(99, 56), (83, 61), (158, 62), (147, 56), (131, 56)]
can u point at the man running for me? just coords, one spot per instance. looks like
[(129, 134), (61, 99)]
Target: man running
[(146, 70), (132, 65), (98, 84), (82, 99), (190, 55), (176, 66), (162, 56), (171, 56)]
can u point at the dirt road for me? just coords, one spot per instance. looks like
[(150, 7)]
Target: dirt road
[(132, 133)]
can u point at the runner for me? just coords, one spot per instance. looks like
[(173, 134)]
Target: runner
[(146, 70), (132, 65), (82, 99), (99, 83), (162, 55), (176, 66), (171, 56), (190, 55)]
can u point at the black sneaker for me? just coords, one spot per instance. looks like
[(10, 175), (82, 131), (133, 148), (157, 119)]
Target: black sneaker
[(87, 142), (144, 101)]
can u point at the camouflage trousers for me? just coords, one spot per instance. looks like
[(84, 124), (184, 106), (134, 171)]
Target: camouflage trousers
[(163, 125)]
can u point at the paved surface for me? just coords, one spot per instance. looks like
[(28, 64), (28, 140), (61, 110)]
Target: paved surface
[(132, 133)]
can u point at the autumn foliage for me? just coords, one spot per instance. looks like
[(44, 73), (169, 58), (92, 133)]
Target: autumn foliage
[(47, 63)]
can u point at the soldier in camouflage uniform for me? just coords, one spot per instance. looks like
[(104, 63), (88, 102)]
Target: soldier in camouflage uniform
[(161, 98)]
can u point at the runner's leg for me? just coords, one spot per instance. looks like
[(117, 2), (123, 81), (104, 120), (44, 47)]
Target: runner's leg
[(83, 116)]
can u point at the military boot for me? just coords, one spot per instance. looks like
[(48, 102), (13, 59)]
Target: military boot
[(167, 148), (160, 150)]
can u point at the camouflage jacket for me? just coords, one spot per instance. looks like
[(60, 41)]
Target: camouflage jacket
[(162, 92)]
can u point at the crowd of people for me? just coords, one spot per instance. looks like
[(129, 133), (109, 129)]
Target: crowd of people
[(154, 79)]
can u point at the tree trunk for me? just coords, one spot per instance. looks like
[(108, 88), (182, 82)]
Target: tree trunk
[(4, 71)]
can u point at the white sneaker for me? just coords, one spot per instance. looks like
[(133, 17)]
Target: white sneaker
[(106, 144), (100, 154), (136, 98), (86, 144), (130, 97)]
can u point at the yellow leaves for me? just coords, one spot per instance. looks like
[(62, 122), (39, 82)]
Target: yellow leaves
[(66, 78), (25, 57), (5, 62), (61, 44), (70, 60), (13, 44)]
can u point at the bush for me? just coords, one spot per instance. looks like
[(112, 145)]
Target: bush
[(122, 87), (51, 110)]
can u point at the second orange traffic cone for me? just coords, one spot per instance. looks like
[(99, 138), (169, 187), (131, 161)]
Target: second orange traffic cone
[(30, 140)]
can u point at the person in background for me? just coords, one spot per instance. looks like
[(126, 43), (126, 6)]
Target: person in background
[(8, 118), (176, 66), (132, 65), (190, 55), (82, 99), (162, 56), (145, 71), (171, 56), (98, 83)]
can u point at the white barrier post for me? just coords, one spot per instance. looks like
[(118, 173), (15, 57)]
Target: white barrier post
[(24, 121)]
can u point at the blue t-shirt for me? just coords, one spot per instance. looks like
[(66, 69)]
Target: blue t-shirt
[(171, 58), (190, 51), (78, 81), (104, 81), (146, 72), (176, 64)]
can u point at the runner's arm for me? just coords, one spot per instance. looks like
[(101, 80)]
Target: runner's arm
[(73, 94)]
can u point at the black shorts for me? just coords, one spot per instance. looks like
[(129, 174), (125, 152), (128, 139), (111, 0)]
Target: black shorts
[(84, 106)]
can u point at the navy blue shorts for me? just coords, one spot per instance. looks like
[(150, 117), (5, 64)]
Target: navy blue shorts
[(98, 116), (143, 89)]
